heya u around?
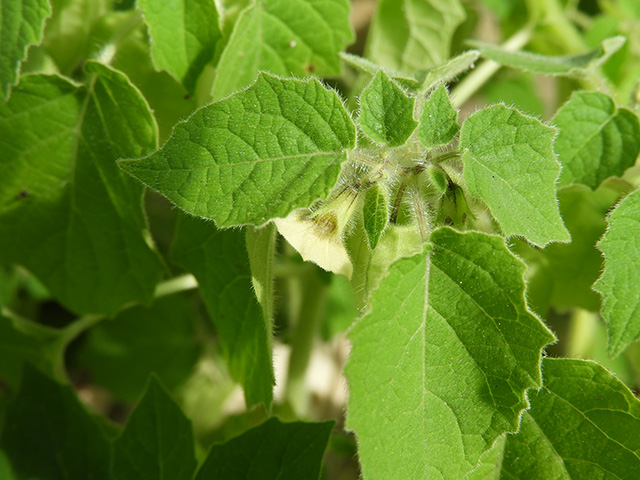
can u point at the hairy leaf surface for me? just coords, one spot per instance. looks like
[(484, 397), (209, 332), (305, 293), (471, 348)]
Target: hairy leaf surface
[(67, 213), (157, 441), (253, 156), (219, 260), (440, 366), (411, 35), (271, 451), (294, 37), (439, 120), (21, 25), (620, 281), (583, 423), (184, 34), (375, 213), (509, 163), (386, 112), (595, 139)]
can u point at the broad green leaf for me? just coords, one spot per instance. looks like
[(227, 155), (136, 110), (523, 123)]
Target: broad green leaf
[(411, 35), (121, 353), (583, 424), (6, 472), (386, 112), (261, 248), (220, 262), (569, 270), (570, 65), (453, 320), (183, 34), (48, 433), (488, 465), (620, 281), (21, 25), (271, 451), (375, 213), (253, 156), (294, 37), (157, 442), (439, 120), (19, 347), (229, 11), (509, 164), (595, 139), (67, 213)]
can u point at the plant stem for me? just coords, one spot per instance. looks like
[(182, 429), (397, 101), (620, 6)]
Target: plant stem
[(582, 331), (476, 79), (175, 285), (314, 298)]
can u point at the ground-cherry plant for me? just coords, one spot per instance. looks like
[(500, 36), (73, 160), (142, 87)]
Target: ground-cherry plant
[(303, 239)]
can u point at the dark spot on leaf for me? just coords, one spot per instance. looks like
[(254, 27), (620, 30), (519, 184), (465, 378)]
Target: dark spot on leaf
[(311, 68), (23, 194)]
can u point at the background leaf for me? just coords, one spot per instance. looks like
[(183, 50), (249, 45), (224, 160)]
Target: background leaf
[(273, 450), (184, 35), (595, 139), (21, 25), (45, 421), (509, 163), (386, 112), (411, 35), (219, 260), (582, 424), (620, 281), (66, 212), (253, 156), (157, 442), (455, 323), (295, 37), (121, 353)]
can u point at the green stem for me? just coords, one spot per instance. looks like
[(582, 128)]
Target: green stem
[(176, 285), (481, 75), (311, 312), (582, 331)]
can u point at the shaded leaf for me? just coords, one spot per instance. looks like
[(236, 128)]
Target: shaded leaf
[(509, 163), (219, 260), (296, 37), (253, 156), (66, 211), (183, 36), (620, 281), (21, 25), (157, 441), (271, 451), (595, 139), (46, 422)]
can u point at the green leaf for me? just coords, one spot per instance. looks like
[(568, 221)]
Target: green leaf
[(439, 120), (595, 139), (21, 25), (157, 442), (583, 424), (454, 321), (19, 347), (296, 37), (48, 434), (569, 65), (447, 71), (122, 352), (271, 451), (183, 34), (367, 66), (67, 213), (620, 281), (386, 112), (411, 35), (375, 213), (6, 472), (253, 156), (219, 260), (509, 163)]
